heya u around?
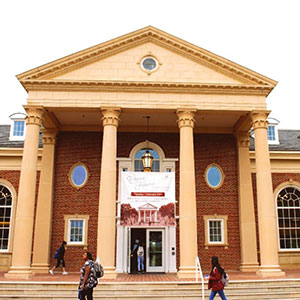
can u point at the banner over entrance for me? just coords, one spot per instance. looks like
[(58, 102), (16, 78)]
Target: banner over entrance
[(147, 199)]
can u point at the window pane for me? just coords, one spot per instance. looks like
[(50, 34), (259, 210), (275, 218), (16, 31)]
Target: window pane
[(271, 133), (138, 163), (18, 128), (79, 175), (288, 212), (214, 176), (215, 231), (76, 230), (5, 216)]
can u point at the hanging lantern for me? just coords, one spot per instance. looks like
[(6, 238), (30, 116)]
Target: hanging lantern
[(147, 160)]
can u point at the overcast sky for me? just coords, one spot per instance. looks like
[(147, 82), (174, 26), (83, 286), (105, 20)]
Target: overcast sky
[(262, 35)]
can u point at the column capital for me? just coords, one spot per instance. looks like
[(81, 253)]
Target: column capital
[(186, 117), (259, 119), (110, 116), (49, 135), (243, 138), (34, 114)]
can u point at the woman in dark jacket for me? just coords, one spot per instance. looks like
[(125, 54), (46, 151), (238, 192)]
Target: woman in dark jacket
[(60, 259), (214, 281)]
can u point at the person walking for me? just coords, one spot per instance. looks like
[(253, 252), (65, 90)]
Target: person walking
[(214, 282), (140, 258), (88, 279), (60, 259)]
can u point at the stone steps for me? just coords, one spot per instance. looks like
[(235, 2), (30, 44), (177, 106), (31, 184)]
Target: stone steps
[(248, 290)]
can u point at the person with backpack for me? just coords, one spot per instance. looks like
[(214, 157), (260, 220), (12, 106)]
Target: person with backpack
[(59, 256), (88, 279), (215, 279), (140, 258)]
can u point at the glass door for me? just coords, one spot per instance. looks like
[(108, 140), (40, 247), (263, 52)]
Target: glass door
[(155, 250)]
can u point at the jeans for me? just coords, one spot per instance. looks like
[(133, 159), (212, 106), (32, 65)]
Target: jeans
[(140, 260), (220, 292)]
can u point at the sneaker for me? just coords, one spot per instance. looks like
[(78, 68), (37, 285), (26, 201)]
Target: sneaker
[(65, 273), (51, 272)]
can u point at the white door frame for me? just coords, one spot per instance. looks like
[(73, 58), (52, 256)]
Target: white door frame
[(124, 244), (161, 268)]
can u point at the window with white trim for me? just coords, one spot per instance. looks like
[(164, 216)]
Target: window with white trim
[(5, 216), (215, 230), (138, 163), (271, 133), (18, 127), (288, 213), (76, 230)]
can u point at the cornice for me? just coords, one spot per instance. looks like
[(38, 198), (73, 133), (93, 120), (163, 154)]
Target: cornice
[(147, 34), (15, 152), (149, 87), (280, 155)]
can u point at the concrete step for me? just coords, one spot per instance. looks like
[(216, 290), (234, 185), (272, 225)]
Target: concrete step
[(242, 290)]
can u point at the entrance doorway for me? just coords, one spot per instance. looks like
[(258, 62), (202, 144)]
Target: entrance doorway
[(154, 249)]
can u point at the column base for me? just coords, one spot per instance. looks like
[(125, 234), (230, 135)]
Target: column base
[(250, 267), (270, 271), (19, 273), (40, 268), (186, 272), (110, 273)]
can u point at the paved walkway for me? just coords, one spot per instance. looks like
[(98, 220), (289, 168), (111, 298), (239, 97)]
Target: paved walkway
[(74, 277)]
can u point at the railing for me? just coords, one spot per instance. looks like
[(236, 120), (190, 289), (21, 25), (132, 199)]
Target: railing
[(199, 272)]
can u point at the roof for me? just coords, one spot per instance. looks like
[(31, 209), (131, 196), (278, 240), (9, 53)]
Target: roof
[(48, 75), (4, 139), (289, 140)]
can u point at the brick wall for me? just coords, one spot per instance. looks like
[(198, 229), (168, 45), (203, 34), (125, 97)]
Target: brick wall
[(86, 147), (73, 147), (219, 149), (12, 176)]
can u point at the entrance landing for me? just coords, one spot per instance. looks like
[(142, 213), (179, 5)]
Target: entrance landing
[(150, 277)]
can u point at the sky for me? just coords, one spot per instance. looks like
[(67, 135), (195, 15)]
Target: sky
[(261, 35)]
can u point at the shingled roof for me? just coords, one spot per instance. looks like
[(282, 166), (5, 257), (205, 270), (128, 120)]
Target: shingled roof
[(6, 143), (289, 140)]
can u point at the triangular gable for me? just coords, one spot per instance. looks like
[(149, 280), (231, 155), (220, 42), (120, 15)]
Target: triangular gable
[(147, 206), (126, 66), (47, 73)]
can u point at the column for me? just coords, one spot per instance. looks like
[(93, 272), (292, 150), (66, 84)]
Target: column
[(249, 261), (187, 196), (43, 221), (267, 223), (22, 244), (107, 196)]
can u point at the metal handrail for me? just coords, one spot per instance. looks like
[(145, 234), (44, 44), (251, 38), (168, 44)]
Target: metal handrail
[(199, 270)]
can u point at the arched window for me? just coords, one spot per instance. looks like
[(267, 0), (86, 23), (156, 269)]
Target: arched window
[(5, 216), (288, 211), (138, 164)]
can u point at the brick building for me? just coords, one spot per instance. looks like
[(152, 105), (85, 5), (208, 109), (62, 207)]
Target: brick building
[(224, 180)]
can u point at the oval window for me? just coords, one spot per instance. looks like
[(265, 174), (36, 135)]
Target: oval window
[(79, 175), (214, 176), (149, 64)]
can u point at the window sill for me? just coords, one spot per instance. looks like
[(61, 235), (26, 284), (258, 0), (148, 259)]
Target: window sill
[(216, 245), (84, 246)]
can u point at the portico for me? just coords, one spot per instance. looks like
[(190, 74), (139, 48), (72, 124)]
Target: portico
[(191, 93)]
